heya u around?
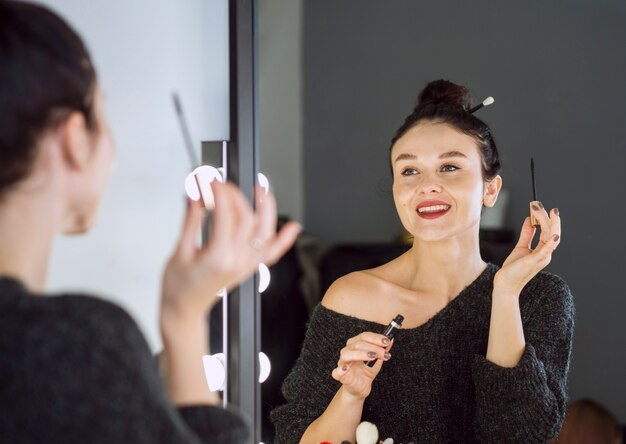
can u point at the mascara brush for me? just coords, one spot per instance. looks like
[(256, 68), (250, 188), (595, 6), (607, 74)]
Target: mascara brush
[(533, 220), (185, 130), (202, 174)]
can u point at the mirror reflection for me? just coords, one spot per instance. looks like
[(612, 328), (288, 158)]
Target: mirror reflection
[(337, 82)]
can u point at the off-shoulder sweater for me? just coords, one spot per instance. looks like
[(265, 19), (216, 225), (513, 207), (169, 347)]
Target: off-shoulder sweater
[(439, 387), (76, 369)]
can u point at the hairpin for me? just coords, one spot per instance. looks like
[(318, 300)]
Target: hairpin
[(488, 101)]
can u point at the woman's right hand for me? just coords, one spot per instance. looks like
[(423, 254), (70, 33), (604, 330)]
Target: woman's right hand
[(352, 370), (240, 239)]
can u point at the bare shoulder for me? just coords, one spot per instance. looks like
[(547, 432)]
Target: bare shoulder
[(352, 293)]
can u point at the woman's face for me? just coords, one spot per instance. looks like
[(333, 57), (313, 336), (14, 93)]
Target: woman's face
[(86, 200), (437, 169)]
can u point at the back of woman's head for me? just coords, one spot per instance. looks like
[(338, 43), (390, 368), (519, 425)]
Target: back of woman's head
[(587, 422), (442, 101), (45, 74)]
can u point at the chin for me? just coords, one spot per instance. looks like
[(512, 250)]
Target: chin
[(432, 235)]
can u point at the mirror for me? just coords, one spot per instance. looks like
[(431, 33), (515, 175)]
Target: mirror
[(338, 78)]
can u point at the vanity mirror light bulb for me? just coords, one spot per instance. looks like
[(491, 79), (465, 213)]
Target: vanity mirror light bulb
[(264, 277), (263, 182), (266, 367), (214, 371), (222, 292), (191, 187), (198, 184)]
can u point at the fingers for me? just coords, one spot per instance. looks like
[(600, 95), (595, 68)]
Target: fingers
[(365, 347), (279, 245), (266, 214), (244, 236), (187, 242), (246, 219), (526, 234), (224, 218), (544, 250), (275, 245), (555, 218), (345, 374), (544, 221), (372, 338), (362, 351)]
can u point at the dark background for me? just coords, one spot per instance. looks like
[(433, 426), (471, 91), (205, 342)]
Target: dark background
[(557, 71)]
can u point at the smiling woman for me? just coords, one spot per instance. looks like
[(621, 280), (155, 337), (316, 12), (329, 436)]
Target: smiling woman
[(484, 352)]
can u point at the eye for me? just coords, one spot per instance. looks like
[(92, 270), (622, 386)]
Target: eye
[(447, 168), (408, 171)]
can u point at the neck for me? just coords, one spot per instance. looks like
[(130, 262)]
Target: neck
[(446, 266), (27, 230)]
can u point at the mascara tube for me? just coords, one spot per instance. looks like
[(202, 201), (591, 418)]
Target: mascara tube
[(389, 332), (533, 219)]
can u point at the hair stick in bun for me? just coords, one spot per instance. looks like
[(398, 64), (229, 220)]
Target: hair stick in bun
[(488, 101)]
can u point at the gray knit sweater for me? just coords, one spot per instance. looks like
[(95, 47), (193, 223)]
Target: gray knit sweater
[(438, 387), (76, 369)]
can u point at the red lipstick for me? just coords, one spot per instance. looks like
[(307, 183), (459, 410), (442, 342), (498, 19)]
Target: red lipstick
[(433, 213)]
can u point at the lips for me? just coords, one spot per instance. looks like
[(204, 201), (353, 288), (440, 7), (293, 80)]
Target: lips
[(432, 209)]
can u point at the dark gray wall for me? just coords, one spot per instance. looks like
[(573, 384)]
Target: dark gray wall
[(558, 73)]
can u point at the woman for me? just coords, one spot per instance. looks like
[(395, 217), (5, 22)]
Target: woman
[(484, 351), (76, 369)]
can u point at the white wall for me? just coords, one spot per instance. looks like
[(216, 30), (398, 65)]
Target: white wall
[(143, 50), (280, 102)]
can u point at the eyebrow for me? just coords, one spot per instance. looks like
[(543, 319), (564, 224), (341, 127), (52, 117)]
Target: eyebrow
[(449, 154)]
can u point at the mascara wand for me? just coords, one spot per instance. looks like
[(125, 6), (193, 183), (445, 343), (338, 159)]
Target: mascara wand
[(533, 220), (185, 129), (200, 175)]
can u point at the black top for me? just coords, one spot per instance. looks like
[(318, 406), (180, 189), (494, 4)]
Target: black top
[(76, 369), (438, 386)]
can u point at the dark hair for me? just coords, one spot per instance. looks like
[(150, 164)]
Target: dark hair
[(442, 101), (45, 74)]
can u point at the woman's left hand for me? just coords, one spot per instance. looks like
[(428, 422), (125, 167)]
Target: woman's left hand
[(524, 263)]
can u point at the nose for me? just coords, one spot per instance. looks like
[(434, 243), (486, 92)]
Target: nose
[(429, 184)]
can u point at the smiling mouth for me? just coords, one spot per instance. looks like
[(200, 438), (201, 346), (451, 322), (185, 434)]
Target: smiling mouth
[(433, 212)]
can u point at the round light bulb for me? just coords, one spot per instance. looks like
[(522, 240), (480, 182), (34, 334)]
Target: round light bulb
[(266, 367), (222, 292), (264, 277), (191, 187), (214, 371), (198, 184)]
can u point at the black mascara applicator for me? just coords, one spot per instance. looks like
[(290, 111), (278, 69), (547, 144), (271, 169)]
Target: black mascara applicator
[(389, 332), (533, 220)]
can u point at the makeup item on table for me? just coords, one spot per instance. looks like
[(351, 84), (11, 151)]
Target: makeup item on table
[(533, 220), (366, 433), (488, 101), (389, 332)]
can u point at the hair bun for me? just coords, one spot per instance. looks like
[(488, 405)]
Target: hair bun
[(439, 92)]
